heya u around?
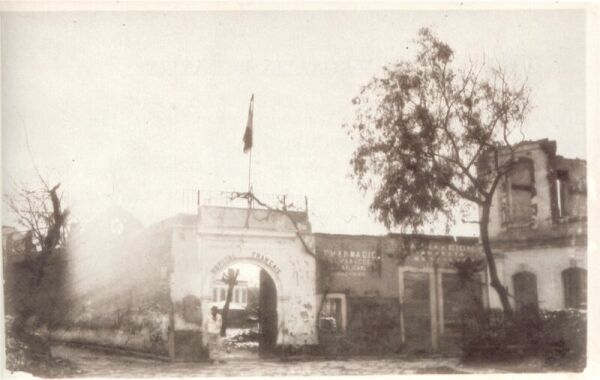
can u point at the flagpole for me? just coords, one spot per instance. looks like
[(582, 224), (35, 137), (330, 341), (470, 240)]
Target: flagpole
[(250, 179)]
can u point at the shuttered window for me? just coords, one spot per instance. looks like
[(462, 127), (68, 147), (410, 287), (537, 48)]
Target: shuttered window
[(575, 287), (525, 289)]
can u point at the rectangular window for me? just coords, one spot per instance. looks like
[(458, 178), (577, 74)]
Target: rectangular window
[(223, 294), (214, 295), (236, 296), (244, 295)]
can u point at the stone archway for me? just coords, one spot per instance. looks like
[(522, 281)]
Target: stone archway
[(270, 307), (223, 236)]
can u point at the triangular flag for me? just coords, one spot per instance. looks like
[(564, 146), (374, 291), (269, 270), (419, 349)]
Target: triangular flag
[(248, 133)]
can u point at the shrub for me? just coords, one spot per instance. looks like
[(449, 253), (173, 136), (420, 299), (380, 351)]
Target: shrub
[(557, 336), (564, 339)]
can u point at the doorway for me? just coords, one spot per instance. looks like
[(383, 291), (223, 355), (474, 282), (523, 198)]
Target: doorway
[(267, 314), (251, 318)]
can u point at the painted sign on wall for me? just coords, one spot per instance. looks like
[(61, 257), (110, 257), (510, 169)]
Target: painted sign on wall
[(443, 253), (352, 263)]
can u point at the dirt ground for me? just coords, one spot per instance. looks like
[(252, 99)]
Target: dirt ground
[(93, 363)]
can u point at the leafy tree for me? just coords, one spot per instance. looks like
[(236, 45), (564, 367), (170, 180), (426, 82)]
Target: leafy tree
[(433, 140)]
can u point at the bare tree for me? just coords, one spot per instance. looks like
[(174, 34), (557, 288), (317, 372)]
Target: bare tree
[(41, 213)]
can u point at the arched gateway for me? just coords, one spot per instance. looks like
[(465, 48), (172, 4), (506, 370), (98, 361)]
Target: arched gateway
[(225, 236)]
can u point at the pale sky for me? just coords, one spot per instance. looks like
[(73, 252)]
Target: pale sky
[(133, 108)]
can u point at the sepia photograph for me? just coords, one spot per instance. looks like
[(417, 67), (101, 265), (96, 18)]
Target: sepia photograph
[(250, 189)]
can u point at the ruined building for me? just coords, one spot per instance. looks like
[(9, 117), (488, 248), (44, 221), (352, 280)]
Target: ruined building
[(538, 228)]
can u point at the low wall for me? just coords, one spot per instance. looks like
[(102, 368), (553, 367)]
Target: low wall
[(120, 294)]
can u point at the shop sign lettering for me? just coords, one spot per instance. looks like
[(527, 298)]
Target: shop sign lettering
[(353, 263), (443, 253)]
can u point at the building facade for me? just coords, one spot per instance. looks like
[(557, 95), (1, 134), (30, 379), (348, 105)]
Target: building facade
[(148, 289), (538, 229), (239, 296), (395, 293)]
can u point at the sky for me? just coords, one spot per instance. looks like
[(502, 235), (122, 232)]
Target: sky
[(139, 108)]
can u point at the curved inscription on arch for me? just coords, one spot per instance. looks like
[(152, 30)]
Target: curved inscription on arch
[(268, 262), (223, 263), (255, 256)]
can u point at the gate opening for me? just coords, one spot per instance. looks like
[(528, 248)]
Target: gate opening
[(251, 319)]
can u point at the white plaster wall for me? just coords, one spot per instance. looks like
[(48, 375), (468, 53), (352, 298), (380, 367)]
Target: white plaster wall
[(547, 264), (184, 248), (201, 253), (283, 257)]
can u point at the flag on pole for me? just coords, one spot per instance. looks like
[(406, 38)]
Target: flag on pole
[(248, 133)]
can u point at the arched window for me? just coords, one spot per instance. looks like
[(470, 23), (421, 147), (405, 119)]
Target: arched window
[(575, 287), (525, 289)]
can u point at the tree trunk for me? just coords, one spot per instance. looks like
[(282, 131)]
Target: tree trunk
[(231, 280), (487, 249)]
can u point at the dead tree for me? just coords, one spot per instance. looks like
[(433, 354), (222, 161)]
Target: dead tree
[(41, 213)]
